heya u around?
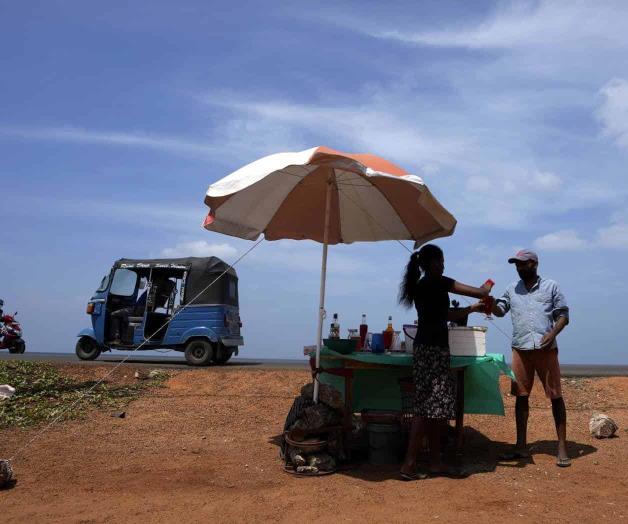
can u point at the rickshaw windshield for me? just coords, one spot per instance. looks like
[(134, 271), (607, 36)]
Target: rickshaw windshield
[(103, 283), (124, 282)]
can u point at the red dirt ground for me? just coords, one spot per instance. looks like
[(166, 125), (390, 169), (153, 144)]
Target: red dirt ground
[(204, 449)]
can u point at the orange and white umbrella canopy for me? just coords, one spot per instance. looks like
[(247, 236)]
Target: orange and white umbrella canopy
[(285, 196)]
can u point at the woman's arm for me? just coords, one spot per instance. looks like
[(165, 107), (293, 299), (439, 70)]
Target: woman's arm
[(469, 291), (456, 314)]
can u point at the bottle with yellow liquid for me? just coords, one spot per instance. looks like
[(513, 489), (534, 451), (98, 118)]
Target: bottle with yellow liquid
[(388, 334)]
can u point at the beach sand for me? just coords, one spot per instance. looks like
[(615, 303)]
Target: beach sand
[(204, 449)]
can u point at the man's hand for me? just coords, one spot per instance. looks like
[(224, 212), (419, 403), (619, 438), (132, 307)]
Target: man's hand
[(548, 340)]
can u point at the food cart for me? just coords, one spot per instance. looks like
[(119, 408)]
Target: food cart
[(371, 381), (334, 197)]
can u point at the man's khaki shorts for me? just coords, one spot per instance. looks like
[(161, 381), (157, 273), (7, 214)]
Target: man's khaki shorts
[(544, 362)]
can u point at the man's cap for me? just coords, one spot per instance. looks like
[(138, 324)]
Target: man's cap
[(523, 256)]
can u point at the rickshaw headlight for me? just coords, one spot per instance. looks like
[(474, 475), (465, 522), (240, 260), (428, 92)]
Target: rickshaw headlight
[(90, 308)]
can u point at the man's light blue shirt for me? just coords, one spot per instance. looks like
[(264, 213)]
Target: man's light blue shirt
[(533, 312)]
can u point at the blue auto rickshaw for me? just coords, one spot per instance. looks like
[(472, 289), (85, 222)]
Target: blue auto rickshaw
[(184, 304)]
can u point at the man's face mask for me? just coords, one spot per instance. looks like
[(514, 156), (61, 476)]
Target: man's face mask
[(526, 270)]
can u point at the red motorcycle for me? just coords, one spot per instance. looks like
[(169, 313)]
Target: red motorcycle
[(11, 333)]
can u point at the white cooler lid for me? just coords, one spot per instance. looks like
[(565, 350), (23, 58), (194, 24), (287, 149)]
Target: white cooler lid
[(469, 328)]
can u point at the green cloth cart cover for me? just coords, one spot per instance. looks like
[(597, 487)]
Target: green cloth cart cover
[(379, 388)]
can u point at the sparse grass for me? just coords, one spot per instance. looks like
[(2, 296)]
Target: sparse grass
[(44, 393)]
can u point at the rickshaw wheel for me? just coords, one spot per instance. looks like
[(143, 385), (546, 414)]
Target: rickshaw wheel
[(87, 349), (199, 352), (222, 355)]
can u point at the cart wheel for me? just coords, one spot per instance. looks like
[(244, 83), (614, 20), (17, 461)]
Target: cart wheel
[(222, 355), (199, 352), (87, 349)]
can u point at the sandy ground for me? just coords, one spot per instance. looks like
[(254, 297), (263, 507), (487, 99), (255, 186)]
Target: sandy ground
[(205, 449)]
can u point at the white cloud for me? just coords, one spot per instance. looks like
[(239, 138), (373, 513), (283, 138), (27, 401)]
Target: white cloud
[(613, 111), (515, 180), (372, 125), (614, 236), (565, 240), (200, 248), (128, 139), (521, 24), (157, 215)]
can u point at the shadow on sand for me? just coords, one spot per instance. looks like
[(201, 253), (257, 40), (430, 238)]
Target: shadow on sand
[(11, 484), (480, 455)]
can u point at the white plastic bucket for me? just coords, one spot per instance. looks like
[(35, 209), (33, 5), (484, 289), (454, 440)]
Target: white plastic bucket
[(409, 330), (467, 341)]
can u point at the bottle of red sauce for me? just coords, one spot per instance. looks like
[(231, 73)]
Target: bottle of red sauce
[(363, 331)]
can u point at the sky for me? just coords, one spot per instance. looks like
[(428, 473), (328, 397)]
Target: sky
[(116, 116)]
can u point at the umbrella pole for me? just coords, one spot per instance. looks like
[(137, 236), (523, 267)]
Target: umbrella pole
[(321, 306)]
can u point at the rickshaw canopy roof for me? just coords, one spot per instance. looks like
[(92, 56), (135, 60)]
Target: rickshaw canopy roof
[(201, 271), (209, 265)]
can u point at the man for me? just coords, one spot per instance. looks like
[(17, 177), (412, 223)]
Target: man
[(539, 313), (120, 319), (161, 288)]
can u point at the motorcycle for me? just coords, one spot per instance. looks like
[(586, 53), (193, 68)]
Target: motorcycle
[(11, 333)]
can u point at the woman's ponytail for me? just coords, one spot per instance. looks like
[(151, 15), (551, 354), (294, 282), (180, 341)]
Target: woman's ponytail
[(418, 260), (411, 278)]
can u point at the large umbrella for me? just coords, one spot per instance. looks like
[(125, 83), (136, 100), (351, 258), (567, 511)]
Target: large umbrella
[(328, 196)]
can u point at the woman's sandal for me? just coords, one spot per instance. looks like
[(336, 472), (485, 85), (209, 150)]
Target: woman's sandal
[(514, 455), (563, 462), (413, 476)]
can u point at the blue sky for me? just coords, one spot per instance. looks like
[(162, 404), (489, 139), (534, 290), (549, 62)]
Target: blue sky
[(114, 119)]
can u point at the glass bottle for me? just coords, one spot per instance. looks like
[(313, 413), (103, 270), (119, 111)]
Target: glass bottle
[(363, 331), (388, 334), (334, 329)]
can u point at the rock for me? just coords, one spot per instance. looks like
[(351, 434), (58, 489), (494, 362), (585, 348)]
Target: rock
[(602, 426), (322, 461), (157, 373), (6, 391), (326, 394), (140, 375), (297, 458), (317, 417), (119, 414), (312, 470)]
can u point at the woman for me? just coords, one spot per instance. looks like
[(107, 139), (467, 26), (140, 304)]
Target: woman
[(435, 395)]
